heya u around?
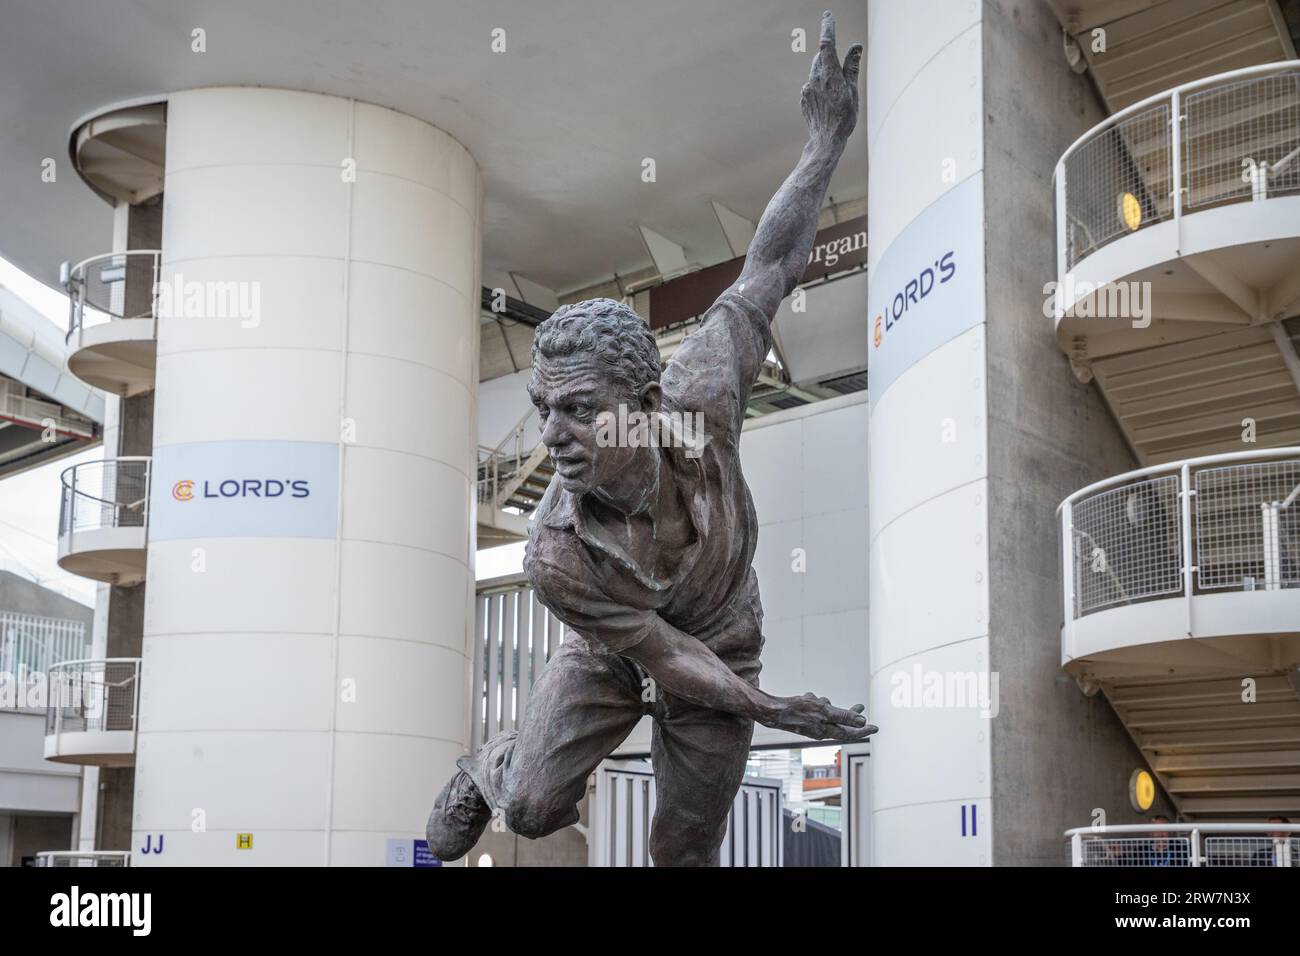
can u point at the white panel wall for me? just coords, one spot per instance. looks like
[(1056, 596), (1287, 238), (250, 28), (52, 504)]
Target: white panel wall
[(312, 691), (915, 32), (502, 403), (805, 469), (930, 138), (928, 496)]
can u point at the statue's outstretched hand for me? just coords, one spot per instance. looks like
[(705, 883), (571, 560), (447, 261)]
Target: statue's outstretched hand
[(817, 718), (829, 100)]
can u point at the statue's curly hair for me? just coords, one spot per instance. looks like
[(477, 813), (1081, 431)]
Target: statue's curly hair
[(618, 337)]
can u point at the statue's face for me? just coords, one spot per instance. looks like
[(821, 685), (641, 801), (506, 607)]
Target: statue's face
[(571, 392)]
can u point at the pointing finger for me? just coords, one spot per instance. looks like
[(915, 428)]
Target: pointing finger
[(828, 32)]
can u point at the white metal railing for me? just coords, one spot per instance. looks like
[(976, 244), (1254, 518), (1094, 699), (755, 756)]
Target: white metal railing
[(30, 645), (1220, 139), (34, 413), (498, 467), (117, 858), (514, 637), (98, 289), (623, 809), (112, 493), (1221, 522), (93, 696), (1186, 844)]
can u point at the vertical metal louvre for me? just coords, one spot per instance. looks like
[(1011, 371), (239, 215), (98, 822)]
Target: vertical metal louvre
[(32, 644), (514, 637), (625, 802)]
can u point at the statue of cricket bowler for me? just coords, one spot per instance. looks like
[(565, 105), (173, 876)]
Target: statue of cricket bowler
[(644, 549)]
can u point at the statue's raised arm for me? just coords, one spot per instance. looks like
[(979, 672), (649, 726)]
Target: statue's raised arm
[(779, 251)]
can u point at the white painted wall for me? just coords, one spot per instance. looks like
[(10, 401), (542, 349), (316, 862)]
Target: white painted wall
[(369, 314), (28, 782), (502, 403), (806, 469), (928, 477)]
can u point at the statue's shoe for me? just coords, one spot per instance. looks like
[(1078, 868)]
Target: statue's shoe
[(459, 817)]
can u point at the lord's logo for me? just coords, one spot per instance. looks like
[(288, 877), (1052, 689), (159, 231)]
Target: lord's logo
[(183, 490), (880, 330), (916, 289)]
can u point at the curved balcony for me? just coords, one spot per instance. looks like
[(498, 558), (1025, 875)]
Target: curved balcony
[(1255, 845), (1182, 604), (113, 328), (90, 716), (104, 519), (1178, 238), (1205, 548)]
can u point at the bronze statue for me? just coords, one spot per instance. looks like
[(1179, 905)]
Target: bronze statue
[(644, 547)]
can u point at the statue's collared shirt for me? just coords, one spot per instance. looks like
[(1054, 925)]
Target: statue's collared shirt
[(706, 587)]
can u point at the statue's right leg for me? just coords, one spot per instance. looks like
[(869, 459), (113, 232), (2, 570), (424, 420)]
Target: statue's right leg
[(583, 705)]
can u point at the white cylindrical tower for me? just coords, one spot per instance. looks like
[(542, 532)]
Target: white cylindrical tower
[(304, 683)]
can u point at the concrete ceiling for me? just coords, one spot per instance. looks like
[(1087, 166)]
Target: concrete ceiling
[(1154, 45), (559, 123)]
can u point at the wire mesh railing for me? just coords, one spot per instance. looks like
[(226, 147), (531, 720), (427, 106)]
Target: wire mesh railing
[(1234, 519), (1227, 138), (1258, 851), (1248, 526), (93, 696), (113, 285), (113, 493), (1137, 851), (1264, 844), (1118, 181), (1242, 140), (1127, 544)]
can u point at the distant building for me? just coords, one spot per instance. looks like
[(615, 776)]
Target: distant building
[(40, 801)]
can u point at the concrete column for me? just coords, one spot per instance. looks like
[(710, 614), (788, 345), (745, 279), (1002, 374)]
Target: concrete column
[(928, 472), (1058, 756), (988, 752), (310, 553)]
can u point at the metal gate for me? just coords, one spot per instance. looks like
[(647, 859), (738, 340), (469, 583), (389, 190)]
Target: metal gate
[(514, 637), (624, 804)]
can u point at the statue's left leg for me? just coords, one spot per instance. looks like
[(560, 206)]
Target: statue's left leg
[(699, 758)]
